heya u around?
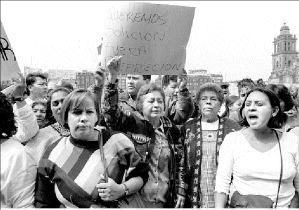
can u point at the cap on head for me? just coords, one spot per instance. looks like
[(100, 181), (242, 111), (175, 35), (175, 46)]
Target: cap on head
[(224, 85)]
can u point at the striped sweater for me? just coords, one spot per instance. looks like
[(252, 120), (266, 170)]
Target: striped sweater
[(71, 168)]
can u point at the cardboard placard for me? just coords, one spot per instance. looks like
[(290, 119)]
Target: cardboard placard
[(151, 38), (9, 65)]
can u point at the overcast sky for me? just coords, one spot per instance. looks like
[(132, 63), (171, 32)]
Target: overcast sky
[(234, 38)]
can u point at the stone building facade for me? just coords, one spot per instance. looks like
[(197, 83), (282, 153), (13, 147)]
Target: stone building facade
[(285, 60)]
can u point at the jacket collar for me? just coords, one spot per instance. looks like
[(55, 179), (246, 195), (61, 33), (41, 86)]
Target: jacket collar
[(166, 122)]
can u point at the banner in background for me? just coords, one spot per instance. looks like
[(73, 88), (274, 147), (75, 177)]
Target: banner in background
[(9, 65), (151, 38)]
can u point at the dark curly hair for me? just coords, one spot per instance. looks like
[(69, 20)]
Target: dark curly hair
[(31, 78), (246, 82), (145, 77), (275, 122), (7, 121), (283, 94), (213, 87)]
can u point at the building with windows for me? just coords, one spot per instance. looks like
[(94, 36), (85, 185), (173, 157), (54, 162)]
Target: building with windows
[(285, 61), (56, 75), (28, 70), (217, 78), (84, 79), (196, 78), (122, 81)]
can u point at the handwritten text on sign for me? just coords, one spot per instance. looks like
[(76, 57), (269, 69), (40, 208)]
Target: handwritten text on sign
[(9, 65), (151, 38)]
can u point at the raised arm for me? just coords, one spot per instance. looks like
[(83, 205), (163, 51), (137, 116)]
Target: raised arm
[(24, 116), (26, 122), (114, 117), (97, 88), (180, 109)]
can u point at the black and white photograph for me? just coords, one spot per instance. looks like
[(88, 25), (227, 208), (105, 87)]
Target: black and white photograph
[(149, 104)]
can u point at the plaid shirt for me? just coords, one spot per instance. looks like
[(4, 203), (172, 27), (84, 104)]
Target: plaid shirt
[(208, 169)]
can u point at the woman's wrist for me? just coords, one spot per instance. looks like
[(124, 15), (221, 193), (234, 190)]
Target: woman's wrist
[(125, 189)]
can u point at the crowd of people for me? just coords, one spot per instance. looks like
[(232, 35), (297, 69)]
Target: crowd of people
[(149, 146)]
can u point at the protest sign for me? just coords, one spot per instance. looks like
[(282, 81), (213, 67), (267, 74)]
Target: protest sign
[(151, 38), (9, 65)]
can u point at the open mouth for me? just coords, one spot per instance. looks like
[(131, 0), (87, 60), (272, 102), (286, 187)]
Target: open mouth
[(252, 117)]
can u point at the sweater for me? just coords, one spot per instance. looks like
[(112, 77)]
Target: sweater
[(45, 137), (18, 171), (257, 172), (26, 123), (18, 174), (70, 169)]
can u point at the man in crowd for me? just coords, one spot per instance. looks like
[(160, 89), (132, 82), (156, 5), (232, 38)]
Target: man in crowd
[(244, 86), (223, 109), (37, 85), (128, 97), (178, 100)]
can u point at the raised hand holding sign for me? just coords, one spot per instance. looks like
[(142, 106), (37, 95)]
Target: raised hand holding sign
[(143, 34), (113, 66)]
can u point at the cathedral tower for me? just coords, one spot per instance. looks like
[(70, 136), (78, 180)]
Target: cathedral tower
[(285, 57)]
